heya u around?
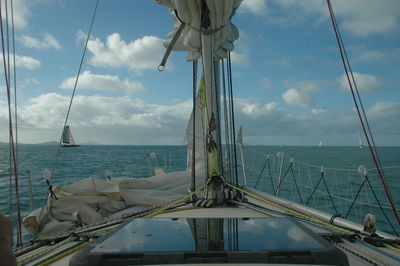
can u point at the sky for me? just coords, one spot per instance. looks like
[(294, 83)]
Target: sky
[(288, 81)]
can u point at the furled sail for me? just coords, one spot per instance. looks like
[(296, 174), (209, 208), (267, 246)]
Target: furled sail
[(217, 23)]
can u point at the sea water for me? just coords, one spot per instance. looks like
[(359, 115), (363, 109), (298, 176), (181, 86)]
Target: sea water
[(73, 164)]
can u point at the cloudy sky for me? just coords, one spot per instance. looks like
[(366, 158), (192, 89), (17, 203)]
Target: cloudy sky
[(288, 79)]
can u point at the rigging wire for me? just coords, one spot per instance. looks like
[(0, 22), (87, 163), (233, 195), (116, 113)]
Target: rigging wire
[(226, 120), (12, 146), (75, 85), (232, 116), (15, 83), (193, 184), (361, 113)]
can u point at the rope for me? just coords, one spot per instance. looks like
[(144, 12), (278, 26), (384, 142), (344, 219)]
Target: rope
[(63, 253), (281, 180), (39, 253), (327, 189), (262, 171), (295, 182), (372, 148)]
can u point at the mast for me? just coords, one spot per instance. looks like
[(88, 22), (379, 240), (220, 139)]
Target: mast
[(204, 29)]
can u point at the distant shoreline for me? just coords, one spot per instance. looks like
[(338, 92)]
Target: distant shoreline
[(50, 143)]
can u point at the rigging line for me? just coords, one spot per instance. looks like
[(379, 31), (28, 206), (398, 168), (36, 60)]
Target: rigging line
[(341, 48), (297, 187), (329, 194), (281, 180), (270, 177), (262, 171), (217, 77), (10, 155), (377, 201), (15, 83), (362, 108), (233, 115), (193, 185), (75, 85), (359, 97), (19, 237), (226, 123)]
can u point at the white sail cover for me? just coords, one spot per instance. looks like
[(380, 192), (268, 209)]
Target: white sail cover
[(189, 12), (95, 200)]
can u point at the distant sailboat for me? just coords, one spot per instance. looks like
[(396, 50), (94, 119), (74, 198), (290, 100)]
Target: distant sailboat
[(68, 139), (239, 141), (360, 142), (320, 144)]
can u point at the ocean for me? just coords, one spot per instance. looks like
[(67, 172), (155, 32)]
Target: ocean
[(299, 174)]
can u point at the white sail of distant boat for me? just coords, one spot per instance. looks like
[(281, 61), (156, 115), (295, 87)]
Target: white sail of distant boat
[(239, 141), (68, 139), (320, 144), (360, 142)]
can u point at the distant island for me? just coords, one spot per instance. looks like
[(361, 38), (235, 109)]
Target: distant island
[(48, 143), (90, 143), (56, 143)]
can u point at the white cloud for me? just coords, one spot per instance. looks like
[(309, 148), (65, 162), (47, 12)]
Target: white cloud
[(365, 82), (21, 12), (239, 59), (90, 81), (252, 107), (48, 41), (80, 37), (372, 55), (141, 54), (359, 17), (367, 17), (265, 84), (339, 126), (23, 61), (302, 94), (125, 120), (384, 115), (27, 62), (258, 7), (297, 97), (376, 56)]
